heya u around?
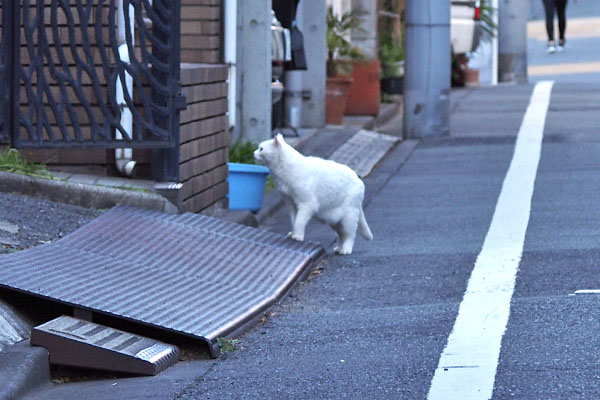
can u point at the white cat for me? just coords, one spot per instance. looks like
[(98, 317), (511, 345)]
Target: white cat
[(314, 187)]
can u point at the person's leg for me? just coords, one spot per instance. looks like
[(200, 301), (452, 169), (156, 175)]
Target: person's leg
[(561, 6), (549, 8)]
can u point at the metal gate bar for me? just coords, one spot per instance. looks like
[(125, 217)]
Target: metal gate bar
[(62, 65)]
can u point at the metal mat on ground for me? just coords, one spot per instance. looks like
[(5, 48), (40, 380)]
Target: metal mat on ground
[(186, 273)]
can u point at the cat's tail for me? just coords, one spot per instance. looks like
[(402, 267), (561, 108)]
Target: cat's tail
[(363, 227)]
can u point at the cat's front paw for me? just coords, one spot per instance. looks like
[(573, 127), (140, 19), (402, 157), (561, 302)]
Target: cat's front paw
[(296, 236), (342, 251)]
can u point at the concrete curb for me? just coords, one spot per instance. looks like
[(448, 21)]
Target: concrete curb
[(91, 196), (388, 111), (24, 368)]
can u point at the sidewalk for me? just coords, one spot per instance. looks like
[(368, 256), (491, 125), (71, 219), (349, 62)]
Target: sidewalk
[(93, 191)]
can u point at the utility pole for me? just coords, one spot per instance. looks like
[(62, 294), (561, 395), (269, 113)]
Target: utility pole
[(427, 76), (312, 22), (253, 70), (512, 41)]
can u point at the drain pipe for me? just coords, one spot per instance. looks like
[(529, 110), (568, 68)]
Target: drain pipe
[(230, 56), (123, 156)]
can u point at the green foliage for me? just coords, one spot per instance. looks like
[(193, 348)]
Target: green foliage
[(391, 48), (242, 152), (227, 345), (12, 161), (270, 184), (340, 52), (390, 54), (486, 17)]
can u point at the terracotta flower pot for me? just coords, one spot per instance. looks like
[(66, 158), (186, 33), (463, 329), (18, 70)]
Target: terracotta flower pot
[(364, 95), (471, 77), (336, 92)]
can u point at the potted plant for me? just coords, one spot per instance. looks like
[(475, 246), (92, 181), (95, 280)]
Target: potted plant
[(340, 59), (392, 67), (246, 180), (391, 49)]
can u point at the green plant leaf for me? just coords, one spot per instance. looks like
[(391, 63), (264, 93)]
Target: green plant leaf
[(242, 152), (227, 345), (12, 161)]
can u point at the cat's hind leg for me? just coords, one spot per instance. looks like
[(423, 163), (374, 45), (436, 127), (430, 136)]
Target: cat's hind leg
[(347, 232), (338, 233), (292, 211)]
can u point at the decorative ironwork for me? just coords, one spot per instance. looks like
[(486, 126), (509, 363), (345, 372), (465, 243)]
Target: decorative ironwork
[(93, 73), (4, 49)]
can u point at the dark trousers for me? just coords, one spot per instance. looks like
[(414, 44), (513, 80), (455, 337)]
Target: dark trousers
[(560, 6)]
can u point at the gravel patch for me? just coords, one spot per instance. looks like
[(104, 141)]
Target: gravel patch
[(30, 222)]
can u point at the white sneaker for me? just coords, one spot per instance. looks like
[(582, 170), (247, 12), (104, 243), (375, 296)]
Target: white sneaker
[(551, 49), (559, 48)]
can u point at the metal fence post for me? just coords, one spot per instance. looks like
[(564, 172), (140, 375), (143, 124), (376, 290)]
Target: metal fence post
[(165, 162), (10, 43)]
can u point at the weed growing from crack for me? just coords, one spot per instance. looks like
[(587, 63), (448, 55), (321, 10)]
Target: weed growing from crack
[(228, 345), (12, 161)]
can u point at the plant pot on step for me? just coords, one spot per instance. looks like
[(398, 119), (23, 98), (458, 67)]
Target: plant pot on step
[(392, 85), (246, 186), (336, 93), (471, 77), (364, 95)]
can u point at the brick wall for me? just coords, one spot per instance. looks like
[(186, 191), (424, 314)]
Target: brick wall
[(204, 136), (201, 31)]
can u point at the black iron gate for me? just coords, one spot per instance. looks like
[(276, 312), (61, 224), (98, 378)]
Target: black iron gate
[(90, 73), (4, 95)]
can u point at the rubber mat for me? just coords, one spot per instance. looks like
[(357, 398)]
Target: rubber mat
[(185, 273)]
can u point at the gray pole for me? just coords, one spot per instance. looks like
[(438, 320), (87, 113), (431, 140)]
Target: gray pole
[(254, 70), (366, 40), (427, 76), (512, 41), (311, 21)]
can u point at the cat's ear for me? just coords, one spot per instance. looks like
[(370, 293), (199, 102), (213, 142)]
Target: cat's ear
[(278, 140)]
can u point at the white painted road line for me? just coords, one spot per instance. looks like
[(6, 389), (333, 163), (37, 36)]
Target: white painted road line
[(467, 366), (587, 291)]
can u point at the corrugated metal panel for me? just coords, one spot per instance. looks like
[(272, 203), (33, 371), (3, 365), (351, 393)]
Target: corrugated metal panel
[(188, 273)]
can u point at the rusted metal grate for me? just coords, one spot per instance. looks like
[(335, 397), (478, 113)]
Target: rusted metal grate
[(190, 274)]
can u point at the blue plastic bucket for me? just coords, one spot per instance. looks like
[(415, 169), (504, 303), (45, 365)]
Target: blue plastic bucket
[(246, 186)]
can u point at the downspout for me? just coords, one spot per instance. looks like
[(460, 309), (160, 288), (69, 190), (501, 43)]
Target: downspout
[(230, 56), (123, 156)]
